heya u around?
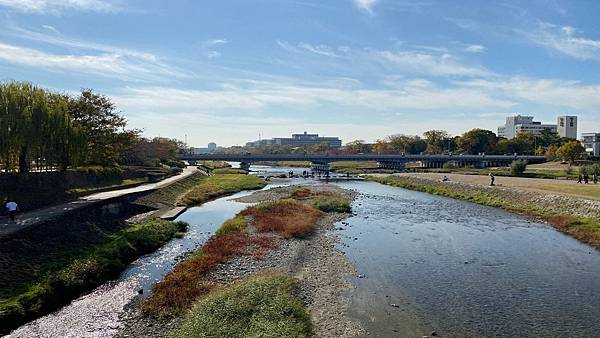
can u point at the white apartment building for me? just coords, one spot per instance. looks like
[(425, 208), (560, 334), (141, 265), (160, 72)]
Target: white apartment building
[(519, 124), (591, 143), (567, 126)]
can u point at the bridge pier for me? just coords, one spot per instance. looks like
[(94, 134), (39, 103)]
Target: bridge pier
[(394, 165), (321, 168)]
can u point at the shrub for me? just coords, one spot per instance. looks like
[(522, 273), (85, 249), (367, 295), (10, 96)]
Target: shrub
[(332, 204), (517, 167), (263, 306)]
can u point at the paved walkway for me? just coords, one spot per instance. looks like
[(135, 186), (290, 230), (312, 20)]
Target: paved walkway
[(40, 215)]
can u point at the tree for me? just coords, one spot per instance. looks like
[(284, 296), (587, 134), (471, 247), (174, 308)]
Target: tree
[(403, 144), (517, 167), (571, 151), (103, 126), (36, 129), (381, 147), (437, 141), (477, 141), (357, 147)]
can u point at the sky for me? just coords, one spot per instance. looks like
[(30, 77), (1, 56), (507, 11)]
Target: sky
[(226, 71)]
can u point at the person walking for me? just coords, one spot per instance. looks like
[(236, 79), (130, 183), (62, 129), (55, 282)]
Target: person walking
[(12, 208), (492, 179), (586, 178), (595, 179), (579, 179)]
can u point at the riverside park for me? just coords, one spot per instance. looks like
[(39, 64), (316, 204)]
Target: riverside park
[(299, 168)]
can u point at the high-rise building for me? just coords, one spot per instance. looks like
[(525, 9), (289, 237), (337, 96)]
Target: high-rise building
[(591, 143), (519, 124), (298, 140), (567, 126)]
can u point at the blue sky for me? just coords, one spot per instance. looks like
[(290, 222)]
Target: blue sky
[(227, 70)]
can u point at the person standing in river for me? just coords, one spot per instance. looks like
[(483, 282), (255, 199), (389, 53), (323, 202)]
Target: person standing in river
[(492, 179)]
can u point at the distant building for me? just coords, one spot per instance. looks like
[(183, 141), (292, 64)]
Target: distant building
[(520, 124), (567, 126), (591, 143), (212, 147), (298, 140)]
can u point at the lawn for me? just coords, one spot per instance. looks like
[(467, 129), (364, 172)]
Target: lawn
[(219, 185)]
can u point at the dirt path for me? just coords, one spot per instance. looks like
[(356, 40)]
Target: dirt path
[(33, 217), (561, 187)]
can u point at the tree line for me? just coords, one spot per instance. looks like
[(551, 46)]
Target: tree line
[(45, 130), (475, 141)]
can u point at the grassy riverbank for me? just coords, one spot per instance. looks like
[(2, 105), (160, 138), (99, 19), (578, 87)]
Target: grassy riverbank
[(250, 308), (64, 279), (219, 185), (573, 216), (187, 281)]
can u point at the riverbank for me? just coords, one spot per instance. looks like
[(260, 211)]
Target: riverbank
[(575, 216), (48, 265), (311, 258)]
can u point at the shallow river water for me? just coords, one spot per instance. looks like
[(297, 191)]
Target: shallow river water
[(434, 264), (426, 264)]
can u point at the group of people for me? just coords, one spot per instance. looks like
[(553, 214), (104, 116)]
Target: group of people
[(585, 178), (12, 208)]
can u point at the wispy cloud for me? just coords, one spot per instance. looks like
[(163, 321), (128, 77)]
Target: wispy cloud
[(566, 40), (58, 6), (51, 28), (365, 5), (209, 47), (430, 64), (475, 49), (121, 66)]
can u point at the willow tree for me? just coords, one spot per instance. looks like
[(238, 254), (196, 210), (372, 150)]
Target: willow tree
[(35, 128)]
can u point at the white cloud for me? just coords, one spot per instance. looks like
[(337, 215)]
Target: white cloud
[(566, 40), (430, 64), (51, 28), (57, 6), (475, 49), (365, 5), (122, 66), (319, 49)]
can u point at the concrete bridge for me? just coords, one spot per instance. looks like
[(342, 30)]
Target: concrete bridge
[(320, 162)]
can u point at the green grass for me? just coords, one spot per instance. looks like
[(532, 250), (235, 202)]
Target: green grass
[(263, 306), (236, 224), (332, 204), (131, 182), (219, 185), (228, 171), (104, 262)]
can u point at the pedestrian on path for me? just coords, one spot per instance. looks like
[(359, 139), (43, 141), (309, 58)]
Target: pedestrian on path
[(12, 208), (579, 179), (492, 179)]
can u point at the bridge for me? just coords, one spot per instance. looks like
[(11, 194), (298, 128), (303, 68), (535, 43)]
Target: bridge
[(320, 162)]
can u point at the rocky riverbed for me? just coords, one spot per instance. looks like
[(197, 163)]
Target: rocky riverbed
[(321, 269)]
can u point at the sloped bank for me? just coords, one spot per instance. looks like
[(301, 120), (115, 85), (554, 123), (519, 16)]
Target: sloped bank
[(48, 265), (577, 217)]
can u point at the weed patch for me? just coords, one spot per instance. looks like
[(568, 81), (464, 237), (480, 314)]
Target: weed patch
[(263, 306), (218, 185), (287, 217)]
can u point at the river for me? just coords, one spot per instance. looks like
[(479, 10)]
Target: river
[(427, 263)]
